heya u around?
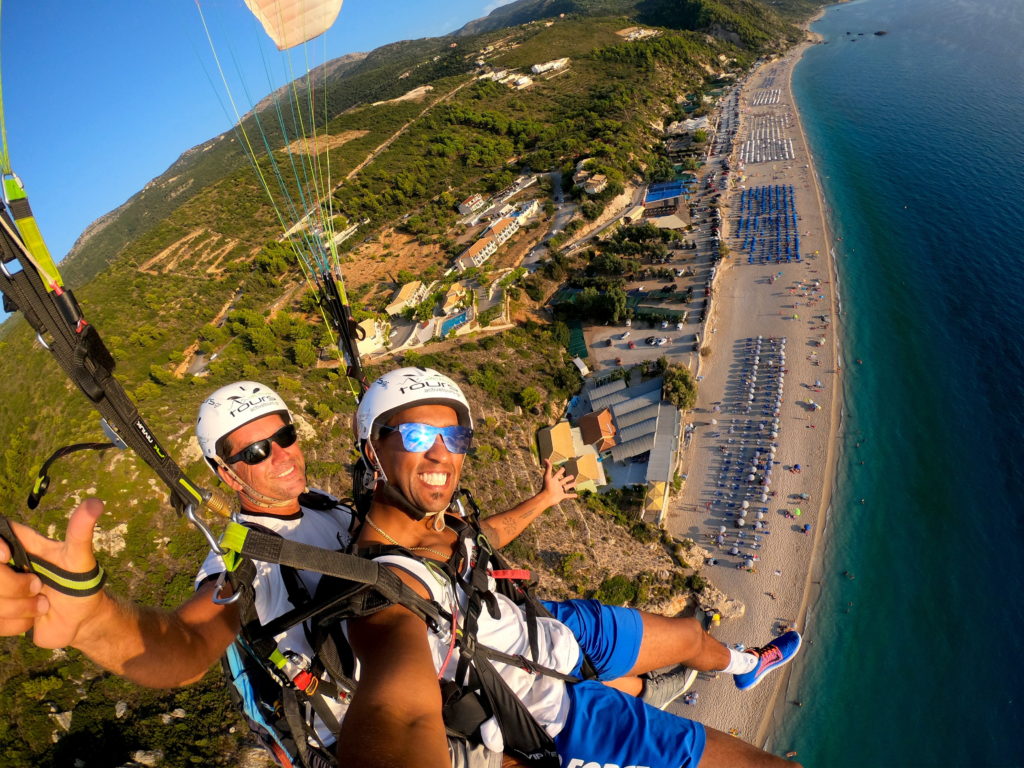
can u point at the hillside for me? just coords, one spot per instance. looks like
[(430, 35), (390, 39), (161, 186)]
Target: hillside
[(194, 261)]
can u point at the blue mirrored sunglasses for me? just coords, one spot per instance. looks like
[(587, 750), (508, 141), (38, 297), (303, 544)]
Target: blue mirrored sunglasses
[(418, 438)]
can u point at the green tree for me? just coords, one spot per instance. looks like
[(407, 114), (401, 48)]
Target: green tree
[(160, 375), (679, 387), (530, 397), (260, 340), (304, 354)]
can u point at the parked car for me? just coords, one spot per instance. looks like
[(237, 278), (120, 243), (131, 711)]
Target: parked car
[(679, 326), (664, 323), (660, 341), (651, 341), (632, 345), (624, 334)]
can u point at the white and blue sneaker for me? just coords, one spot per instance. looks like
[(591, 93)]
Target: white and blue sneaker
[(661, 690), (772, 656)]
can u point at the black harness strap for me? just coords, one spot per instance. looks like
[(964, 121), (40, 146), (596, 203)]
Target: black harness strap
[(261, 640), (79, 350)]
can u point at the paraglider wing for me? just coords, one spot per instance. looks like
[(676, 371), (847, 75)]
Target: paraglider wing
[(290, 22)]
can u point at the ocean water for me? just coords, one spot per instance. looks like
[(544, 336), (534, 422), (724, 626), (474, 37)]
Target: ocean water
[(919, 141)]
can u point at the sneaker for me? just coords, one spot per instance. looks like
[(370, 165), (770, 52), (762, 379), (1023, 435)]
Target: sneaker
[(772, 656), (661, 690)]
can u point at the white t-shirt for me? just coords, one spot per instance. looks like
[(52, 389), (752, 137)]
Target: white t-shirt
[(328, 529), (544, 696)]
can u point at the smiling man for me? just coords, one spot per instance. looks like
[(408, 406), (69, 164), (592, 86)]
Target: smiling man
[(415, 429)]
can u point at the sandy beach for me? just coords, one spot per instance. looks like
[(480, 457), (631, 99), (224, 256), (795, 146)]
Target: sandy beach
[(739, 390)]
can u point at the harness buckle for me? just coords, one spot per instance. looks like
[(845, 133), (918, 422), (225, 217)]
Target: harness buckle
[(306, 682), (296, 668), (467, 642), (526, 665)]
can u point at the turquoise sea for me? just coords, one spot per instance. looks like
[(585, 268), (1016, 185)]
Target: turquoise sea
[(919, 141)]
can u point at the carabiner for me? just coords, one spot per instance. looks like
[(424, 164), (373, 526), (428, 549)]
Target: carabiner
[(190, 513), (217, 599)]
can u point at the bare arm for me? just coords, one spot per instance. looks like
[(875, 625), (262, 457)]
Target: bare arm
[(501, 528), (152, 647), (395, 718), (158, 648)]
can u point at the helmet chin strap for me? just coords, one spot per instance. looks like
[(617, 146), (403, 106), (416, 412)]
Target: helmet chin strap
[(252, 495), (414, 511)]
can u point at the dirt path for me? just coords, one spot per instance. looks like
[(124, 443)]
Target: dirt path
[(391, 140)]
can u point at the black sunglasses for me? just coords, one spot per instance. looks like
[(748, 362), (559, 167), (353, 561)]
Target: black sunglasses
[(260, 450)]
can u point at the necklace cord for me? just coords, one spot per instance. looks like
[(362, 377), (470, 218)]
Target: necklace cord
[(394, 541)]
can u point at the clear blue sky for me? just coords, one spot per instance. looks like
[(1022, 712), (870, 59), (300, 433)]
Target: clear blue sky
[(102, 96)]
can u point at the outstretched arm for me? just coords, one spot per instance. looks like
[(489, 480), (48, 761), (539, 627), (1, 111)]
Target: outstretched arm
[(395, 718), (152, 647), (501, 528)]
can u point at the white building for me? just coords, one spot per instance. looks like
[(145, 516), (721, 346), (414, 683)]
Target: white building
[(688, 126), (477, 253), (549, 66), (472, 203), (527, 210), (503, 229), (375, 336), (595, 184), (408, 295)]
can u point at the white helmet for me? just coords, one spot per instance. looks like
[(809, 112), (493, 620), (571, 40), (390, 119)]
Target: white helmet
[(231, 407), (404, 388)]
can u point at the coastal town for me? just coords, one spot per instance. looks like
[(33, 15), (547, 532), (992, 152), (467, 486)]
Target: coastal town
[(742, 297), (692, 306)]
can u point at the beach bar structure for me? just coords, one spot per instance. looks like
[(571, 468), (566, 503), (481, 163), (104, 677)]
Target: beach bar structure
[(647, 432)]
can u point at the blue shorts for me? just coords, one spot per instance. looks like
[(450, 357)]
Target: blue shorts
[(608, 727), (609, 635)]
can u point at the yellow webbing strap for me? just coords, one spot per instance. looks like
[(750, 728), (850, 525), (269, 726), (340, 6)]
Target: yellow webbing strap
[(69, 583), (232, 542), (21, 212)]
